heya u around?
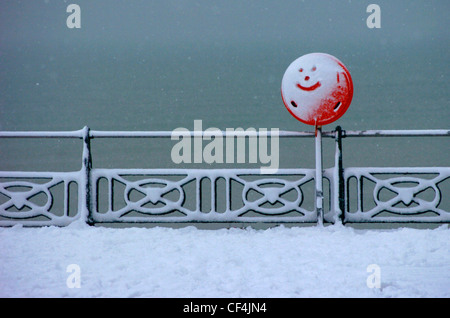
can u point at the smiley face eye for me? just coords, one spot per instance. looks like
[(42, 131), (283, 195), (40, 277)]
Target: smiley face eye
[(313, 68)]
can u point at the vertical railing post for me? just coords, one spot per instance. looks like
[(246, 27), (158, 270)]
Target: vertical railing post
[(86, 167), (339, 177), (319, 176)]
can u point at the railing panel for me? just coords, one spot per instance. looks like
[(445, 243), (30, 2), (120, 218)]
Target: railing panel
[(40, 198), (396, 194), (180, 195)]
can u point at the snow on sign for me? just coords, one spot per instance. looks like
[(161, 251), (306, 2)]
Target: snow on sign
[(317, 89)]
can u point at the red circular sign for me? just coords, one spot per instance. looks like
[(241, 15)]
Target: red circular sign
[(317, 89)]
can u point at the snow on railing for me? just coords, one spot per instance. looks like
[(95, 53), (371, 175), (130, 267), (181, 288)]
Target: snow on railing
[(244, 199), (29, 198), (98, 195), (397, 195)]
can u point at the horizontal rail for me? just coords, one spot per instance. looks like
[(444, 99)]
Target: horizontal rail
[(154, 134), (42, 134), (213, 133), (396, 133)]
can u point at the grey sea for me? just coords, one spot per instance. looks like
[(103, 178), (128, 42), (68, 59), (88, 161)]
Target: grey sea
[(160, 65)]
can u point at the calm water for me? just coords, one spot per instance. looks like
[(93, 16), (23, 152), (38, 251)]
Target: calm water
[(226, 87), (162, 66)]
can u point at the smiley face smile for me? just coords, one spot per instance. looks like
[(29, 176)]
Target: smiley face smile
[(310, 88)]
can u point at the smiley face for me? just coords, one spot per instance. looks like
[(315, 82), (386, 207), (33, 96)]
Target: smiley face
[(317, 89)]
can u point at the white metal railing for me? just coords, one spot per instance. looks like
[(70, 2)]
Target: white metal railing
[(224, 195)]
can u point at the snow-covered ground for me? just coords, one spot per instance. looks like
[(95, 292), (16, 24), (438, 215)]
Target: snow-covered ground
[(333, 261)]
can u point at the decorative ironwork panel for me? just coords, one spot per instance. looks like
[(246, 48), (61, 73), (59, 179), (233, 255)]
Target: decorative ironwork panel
[(39, 198), (202, 195), (397, 194)]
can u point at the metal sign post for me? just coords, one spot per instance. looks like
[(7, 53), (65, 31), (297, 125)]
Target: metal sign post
[(319, 186)]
